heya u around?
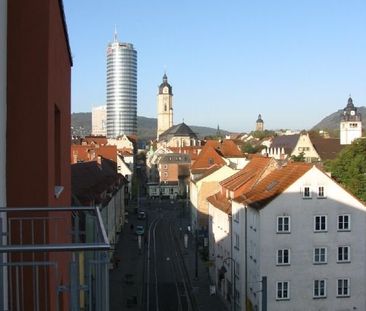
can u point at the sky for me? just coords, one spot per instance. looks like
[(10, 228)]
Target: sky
[(294, 62)]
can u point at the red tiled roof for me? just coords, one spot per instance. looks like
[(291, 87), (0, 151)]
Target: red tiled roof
[(249, 175), (219, 201), (193, 151), (85, 153), (207, 157), (273, 184), (99, 140), (227, 148)]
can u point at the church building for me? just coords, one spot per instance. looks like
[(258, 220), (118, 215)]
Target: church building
[(165, 107), (351, 125)]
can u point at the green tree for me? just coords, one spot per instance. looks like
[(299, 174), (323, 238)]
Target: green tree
[(349, 168), (298, 158)]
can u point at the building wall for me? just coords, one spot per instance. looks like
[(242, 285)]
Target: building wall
[(99, 120), (3, 56), (305, 145), (38, 114), (302, 272), (350, 131), (3, 79), (220, 247), (168, 172)]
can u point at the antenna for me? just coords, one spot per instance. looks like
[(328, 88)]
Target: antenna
[(115, 33)]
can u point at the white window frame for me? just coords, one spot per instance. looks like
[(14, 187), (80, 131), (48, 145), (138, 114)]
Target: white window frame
[(283, 297), (281, 254), (345, 290), (320, 262), (320, 218), (317, 284), (342, 260), (342, 223), (283, 225), (319, 194), (306, 195)]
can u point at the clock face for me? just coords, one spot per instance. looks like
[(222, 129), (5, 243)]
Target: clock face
[(165, 90), (352, 113)]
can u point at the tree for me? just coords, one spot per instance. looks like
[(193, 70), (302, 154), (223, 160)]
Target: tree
[(298, 158), (349, 168)]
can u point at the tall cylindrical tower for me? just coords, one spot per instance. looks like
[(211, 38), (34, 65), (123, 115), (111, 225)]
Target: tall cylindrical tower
[(121, 89)]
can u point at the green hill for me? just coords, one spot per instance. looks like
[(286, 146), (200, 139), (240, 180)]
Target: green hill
[(146, 127)]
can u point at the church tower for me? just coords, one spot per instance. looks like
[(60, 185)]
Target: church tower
[(351, 125), (259, 126), (165, 106)]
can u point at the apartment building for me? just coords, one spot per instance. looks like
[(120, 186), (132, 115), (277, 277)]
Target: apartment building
[(298, 241)]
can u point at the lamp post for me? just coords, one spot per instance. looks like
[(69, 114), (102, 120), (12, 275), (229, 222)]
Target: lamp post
[(223, 269)]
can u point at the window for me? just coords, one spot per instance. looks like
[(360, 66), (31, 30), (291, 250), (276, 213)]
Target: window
[(165, 166), (283, 256), (165, 174), (344, 254), (343, 288), (320, 289), (320, 223), (344, 222), (283, 224), (236, 216), (306, 193), (320, 255), (237, 270), (321, 193), (283, 290), (236, 241)]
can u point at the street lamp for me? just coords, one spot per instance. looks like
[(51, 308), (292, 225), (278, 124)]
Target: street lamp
[(223, 271)]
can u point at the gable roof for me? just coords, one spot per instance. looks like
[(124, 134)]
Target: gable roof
[(206, 159), (249, 175), (226, 148), (327, 148), (221, 202), (273, 184), (288, 142), (90, 179)]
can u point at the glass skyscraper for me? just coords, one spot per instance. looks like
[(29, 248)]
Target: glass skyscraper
[(121, 89)]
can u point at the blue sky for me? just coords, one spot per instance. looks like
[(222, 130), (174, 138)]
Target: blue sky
[(294, 62)]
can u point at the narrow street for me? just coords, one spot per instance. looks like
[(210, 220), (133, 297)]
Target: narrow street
[(160, 276)]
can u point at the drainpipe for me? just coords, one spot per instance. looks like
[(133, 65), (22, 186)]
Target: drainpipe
[(3, 113), (246, 253)]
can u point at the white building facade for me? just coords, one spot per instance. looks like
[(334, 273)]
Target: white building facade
[(99, 121), (351, 125)]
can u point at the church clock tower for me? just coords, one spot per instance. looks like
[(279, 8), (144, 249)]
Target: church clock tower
[(351, 125), (165, 107)]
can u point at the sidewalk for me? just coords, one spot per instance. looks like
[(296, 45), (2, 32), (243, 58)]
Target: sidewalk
[(200, 286), (126, 280)]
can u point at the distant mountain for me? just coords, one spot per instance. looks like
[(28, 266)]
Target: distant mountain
[(146, 127), (331, 122)]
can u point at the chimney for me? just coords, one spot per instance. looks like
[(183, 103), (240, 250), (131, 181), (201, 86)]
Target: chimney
[(99, 159)]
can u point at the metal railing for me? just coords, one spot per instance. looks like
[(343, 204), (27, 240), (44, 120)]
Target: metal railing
[(53, 258)]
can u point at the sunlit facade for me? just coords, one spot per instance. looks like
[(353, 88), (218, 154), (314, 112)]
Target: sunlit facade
[(121, 89)]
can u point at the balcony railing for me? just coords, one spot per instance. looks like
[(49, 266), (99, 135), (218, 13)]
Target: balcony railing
[(53, 259)]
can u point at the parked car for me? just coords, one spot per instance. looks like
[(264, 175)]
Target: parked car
[(140, 230), (141, 215)]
